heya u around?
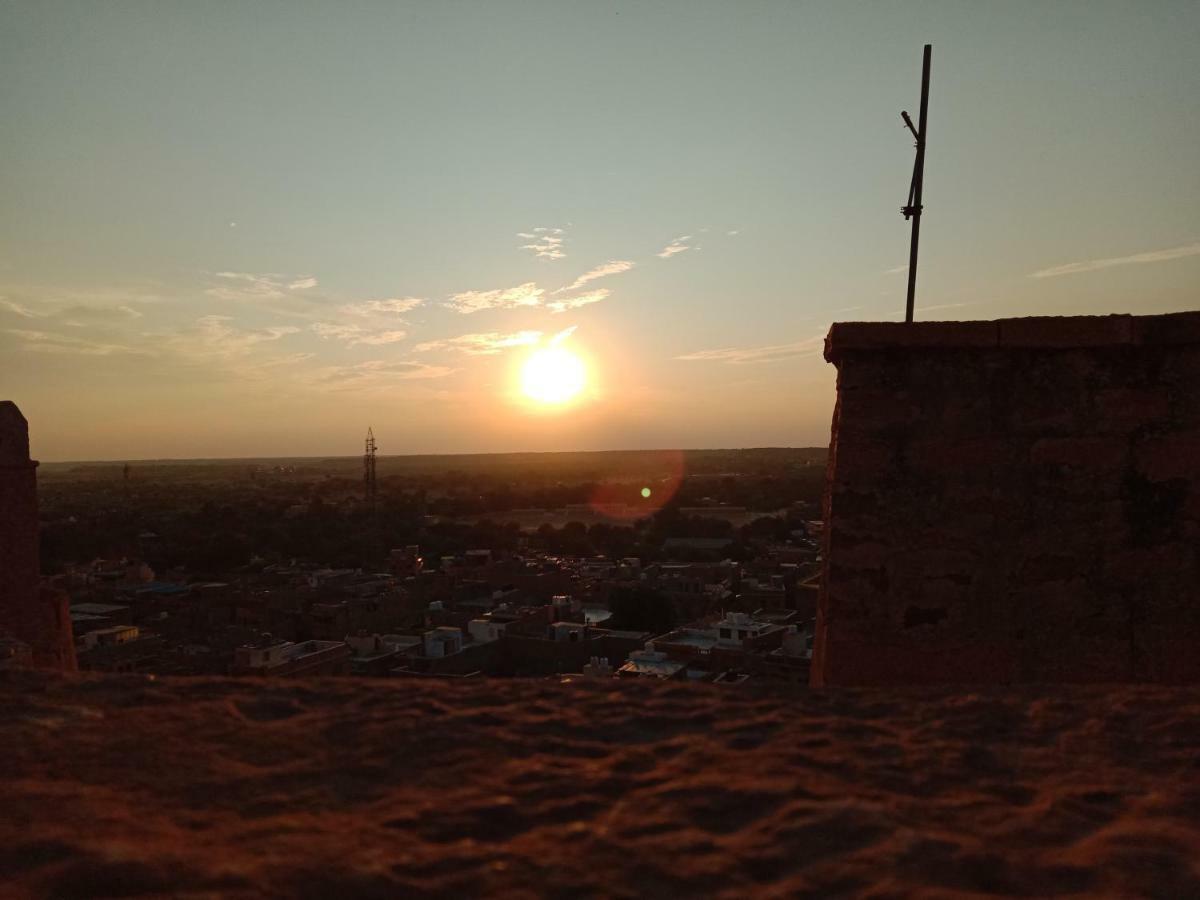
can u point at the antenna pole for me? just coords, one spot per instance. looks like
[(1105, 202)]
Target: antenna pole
[(369, 469), (913, 209)]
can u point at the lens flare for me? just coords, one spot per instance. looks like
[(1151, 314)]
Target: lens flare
[(649, 485), (553, 375)]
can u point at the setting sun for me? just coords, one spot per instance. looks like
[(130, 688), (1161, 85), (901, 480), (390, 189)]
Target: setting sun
[(553, 375)]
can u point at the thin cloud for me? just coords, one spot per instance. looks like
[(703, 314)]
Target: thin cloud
[(567, 303), (562, 335), (741, 355), (396, 305), (353, 335), (247, 286), (734, 232), (528, 294), (45, 342), (483, 344), (78, 311), (545, 243), (679, 245), (250, 286), (898, 270), (216, 337), (23, 311), (948, 306), (270, 366), (1092, 265), (612, 267), (378, 373), (380, 337), (100, 313)]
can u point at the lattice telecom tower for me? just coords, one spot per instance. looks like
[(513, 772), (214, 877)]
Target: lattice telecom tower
[(369, 469)]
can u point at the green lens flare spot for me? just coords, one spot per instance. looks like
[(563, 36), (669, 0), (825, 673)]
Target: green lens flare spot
[(646, 492)]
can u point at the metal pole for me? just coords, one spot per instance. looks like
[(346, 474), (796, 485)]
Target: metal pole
[(918, 182)]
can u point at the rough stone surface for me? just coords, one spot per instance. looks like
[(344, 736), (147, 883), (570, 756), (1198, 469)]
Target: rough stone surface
[(29, 612), (126, 786), (1013, 501)]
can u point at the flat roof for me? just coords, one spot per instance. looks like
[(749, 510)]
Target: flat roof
[(98, 609)]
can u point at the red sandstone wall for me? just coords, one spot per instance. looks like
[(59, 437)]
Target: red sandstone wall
[(1013, 501)]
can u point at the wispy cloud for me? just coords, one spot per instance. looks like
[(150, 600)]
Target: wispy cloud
[(545, 243), (734, 232), (898, 270), (528, 294), (396, 305), (578, 300), (612, 267), (739, 355), (45, 342), (268, 367), (1091, 265), (353, 335), (250, 286), (332, 330), (949, 305), (378, 373), (482, 344), (216, 337), (77, 311), (380, 337), (23, 311), (562, 335), (246, 286), (679, 245), (91, 314)]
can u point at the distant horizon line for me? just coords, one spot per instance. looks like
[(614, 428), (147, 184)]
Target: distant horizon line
[(358, 456)]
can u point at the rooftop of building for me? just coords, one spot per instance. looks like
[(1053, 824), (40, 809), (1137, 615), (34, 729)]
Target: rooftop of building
[(224, 787)]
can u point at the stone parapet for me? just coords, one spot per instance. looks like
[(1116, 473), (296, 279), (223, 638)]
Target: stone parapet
[(1013, 501)]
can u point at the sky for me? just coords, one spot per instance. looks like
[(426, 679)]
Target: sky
[(234, 229)]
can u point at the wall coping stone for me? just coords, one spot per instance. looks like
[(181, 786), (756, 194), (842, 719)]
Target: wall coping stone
[(1032, 332)]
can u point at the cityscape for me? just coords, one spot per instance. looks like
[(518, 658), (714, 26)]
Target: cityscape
[(704, 568)]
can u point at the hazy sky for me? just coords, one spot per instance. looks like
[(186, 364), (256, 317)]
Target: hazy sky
[(249, 228)]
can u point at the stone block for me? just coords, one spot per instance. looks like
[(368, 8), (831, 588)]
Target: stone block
[(855, 336), (915, 662), (1171, 329), (1169, 456), (1058, 658), (1054, 332), (1099, 454), (1121, 410), (1166, 656)]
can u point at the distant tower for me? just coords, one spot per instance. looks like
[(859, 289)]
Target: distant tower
[(369, 469), (33, 614)]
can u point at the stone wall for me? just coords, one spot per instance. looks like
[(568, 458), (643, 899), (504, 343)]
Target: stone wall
[(33, 613), (1013, 501)]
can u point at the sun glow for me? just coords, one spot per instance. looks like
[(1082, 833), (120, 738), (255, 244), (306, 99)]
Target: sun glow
[(552, 376)]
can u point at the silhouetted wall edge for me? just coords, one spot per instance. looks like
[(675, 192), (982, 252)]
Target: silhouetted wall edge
[(33, 613)]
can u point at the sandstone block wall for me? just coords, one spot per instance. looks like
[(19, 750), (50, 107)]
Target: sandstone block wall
[(1013, 501)]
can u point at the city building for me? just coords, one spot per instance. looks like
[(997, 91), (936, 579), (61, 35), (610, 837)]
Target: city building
[(268, 656)]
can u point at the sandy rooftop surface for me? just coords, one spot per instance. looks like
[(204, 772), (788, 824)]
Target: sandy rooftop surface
[(128, 786)]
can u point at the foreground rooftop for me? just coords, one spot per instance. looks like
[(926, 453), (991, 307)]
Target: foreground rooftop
[(323, 788)]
